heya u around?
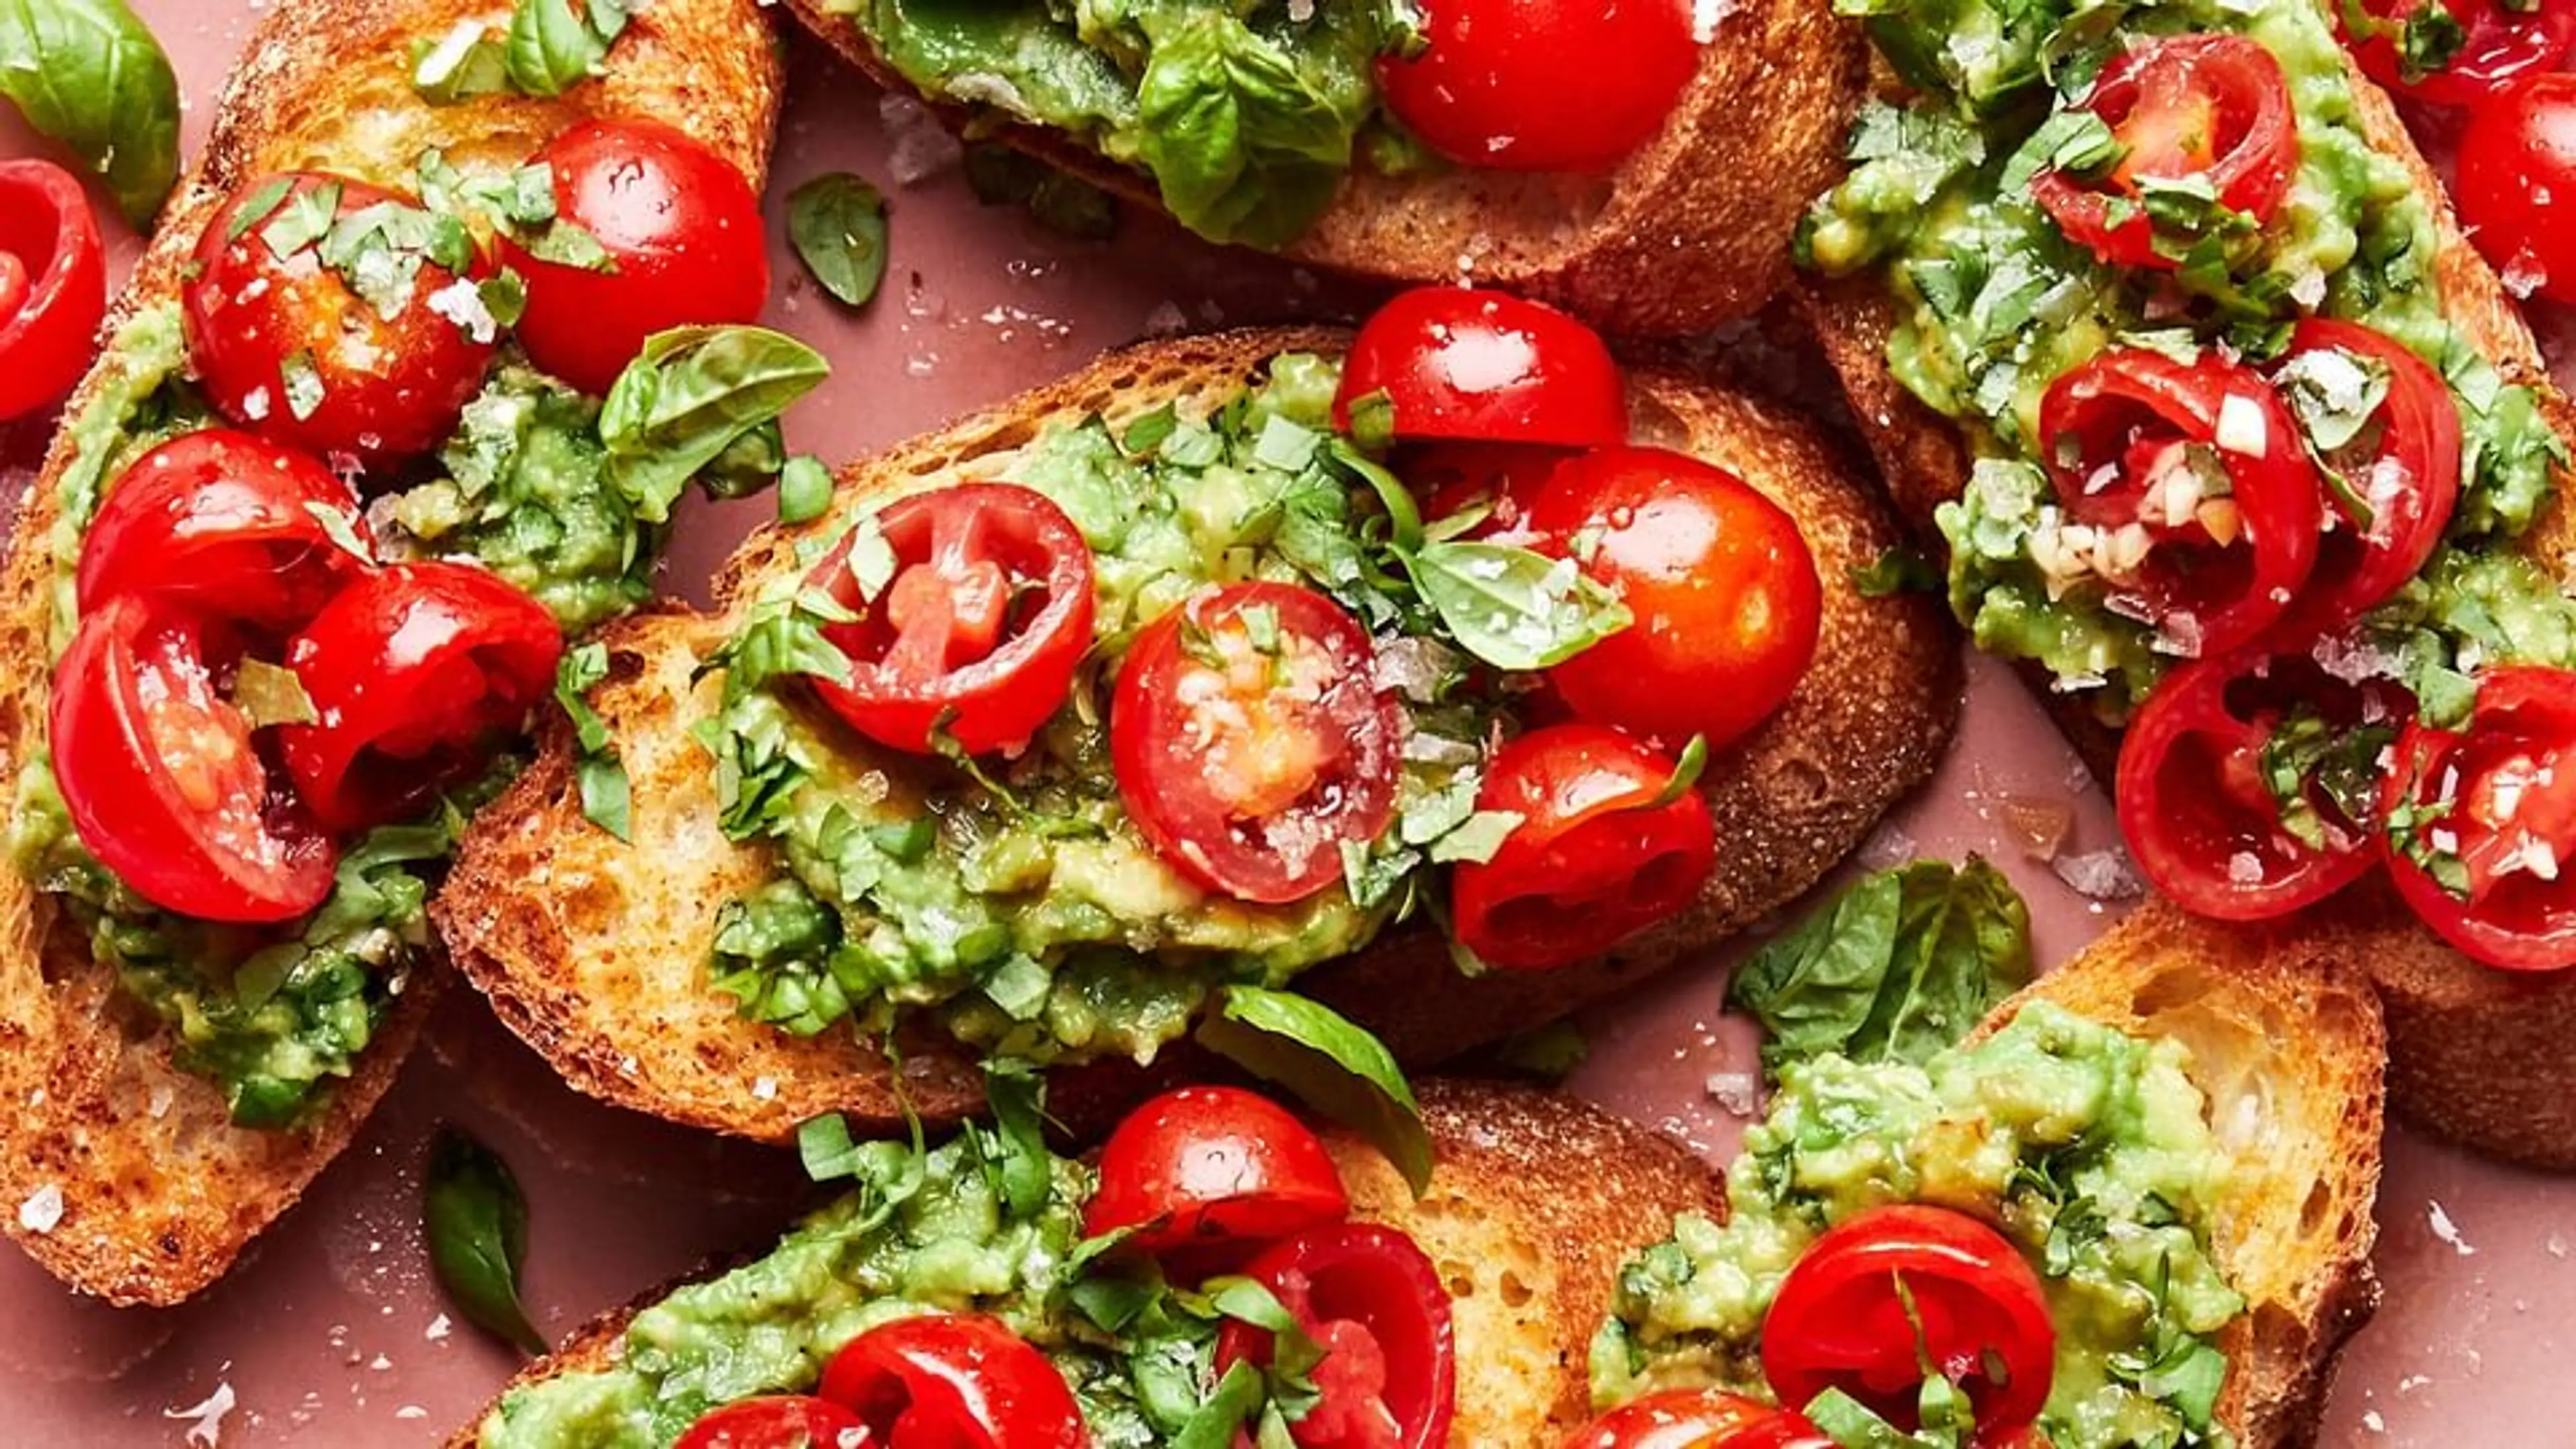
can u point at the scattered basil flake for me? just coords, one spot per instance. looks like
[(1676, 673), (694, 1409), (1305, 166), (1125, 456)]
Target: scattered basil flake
[(304, 219), (476, 1221), (1330, 1063), (259, 206), (271, 694), (837, 223), (469, 60), (89, 74), (302, 384), (1476, 838), (606, 795), (339, 526)]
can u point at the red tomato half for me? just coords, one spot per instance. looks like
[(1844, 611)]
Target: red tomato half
[(2500, 43), (2516, 185), (161, 778), (1482, 367), (1698, 1419), (1213, 1168), (1366, 1294), (2215, 107), (2202, 459), (288, 349), (2506, 790), (1251, 739), (682, 231), (953, 1381), (1543, 85), (414, 671), (1727, 603), (779, 1421), (53, 284), (224, 526), (979, 631), (1594, 859), (1978, 1312)]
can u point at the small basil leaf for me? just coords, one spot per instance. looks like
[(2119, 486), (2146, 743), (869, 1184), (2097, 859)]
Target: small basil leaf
[(271, 694), (837, 223), (804, 490), (553, 47), (90, 75), (688, 396), (1514, 608), (1330, 1063), (477, 1225)]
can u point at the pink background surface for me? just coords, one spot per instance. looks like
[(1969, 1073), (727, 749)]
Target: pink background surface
[(331, 1332)]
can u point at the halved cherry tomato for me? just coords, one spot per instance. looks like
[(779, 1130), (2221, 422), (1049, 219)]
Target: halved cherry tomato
[(2203, 825), (53, 284), (1976, 1311), (1482, 367), (2215, 108), (1542, 85), (413, 671), (2204, 462), (1251, 739), (162, 780), (2516, 185), (1594, 859), (1727, 602), (953, 1381), (224, 526), (1366, 1294), (2500, 43), (979, 631), (1698, 1419), (1501, 482), (682, 231), (779, 1421), (1206, 1168), (2403, 468), (2499, 799)]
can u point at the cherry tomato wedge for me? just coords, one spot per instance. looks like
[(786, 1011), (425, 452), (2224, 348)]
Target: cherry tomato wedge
[(53, 284), (1475, 366), (1366, 1294), (953, 1381), (1977, 1310), (1213, 1168), (779, 1421), (2214, 108), (980, 628), (1499, 483), (161, 778), (1542, 85), (224, 526), (2516, 185), (2483, 820), (288, 348), (1724, 590), (1698, 1419), (2198, 506), (413, 672), (2499, 43), (1595, 858), (682, 231), (1251, 738)]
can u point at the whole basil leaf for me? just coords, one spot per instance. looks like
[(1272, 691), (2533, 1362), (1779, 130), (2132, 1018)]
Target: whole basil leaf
[(1514, 608), (838, 225), (90, 75), (477, 1223), (1330, 1063), (688, 396), (1245, 144)]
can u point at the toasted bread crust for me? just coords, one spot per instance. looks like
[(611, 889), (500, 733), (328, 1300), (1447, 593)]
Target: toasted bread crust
[(160, 1193), (1692, 230)]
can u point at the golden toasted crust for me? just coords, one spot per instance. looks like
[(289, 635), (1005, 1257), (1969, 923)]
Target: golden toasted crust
[(1692, 230), (595, 953), (160, 1193)]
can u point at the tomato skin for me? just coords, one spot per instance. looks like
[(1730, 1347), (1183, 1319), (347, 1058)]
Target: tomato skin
[(1838, 1321), (411, 671), (2517, 744), (2500, 48), (940, 643), (953, 1381), (2516, 184), (161, 780), (222, 524), (1724, 589), (779, 1421), (390, 389), (1698, 1419), (1504, 480), (1368, 1294), (1245, 788), (1477, 366), (55, 290), (1593, 860), (1542, 85), (1213, 1168), (682, 228)]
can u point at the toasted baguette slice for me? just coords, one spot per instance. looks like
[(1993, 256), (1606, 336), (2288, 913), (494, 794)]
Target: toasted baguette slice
[(595, 952), (158, 1191), (2477, 1054), (1537, 1201), (1692, 230)]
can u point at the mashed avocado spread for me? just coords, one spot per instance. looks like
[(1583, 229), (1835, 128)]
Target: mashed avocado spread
[(2085, 1146)]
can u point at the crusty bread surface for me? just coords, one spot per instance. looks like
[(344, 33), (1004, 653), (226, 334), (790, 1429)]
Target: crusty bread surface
[(159, 1192)]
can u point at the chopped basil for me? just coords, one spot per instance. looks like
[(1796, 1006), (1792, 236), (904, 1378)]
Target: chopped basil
[(606, 796), (89, 74), (302, 383), (1899, 570), (688, 396), (476, 1221), (469, 60), (1015, 1093), (1330, 1063), (304, 219), (837, 223), (271, 694), (2306, 755), (259, 206), (804, 490), (1476, 838), (1686, 773), (554, 46)]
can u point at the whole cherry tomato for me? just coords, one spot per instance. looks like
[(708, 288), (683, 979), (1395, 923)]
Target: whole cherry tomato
[(1368, 1297), (779, 1421), (224, 526), (1698, 1419), (1543, 85), (2484, 819), (1726, 599), (1213, 1168), (1482, 367), (53, 284), (1252, 738), (2500, 42), (2516, 185), (681, 228), (953, 1381), (1599, 853), (978, 631)]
